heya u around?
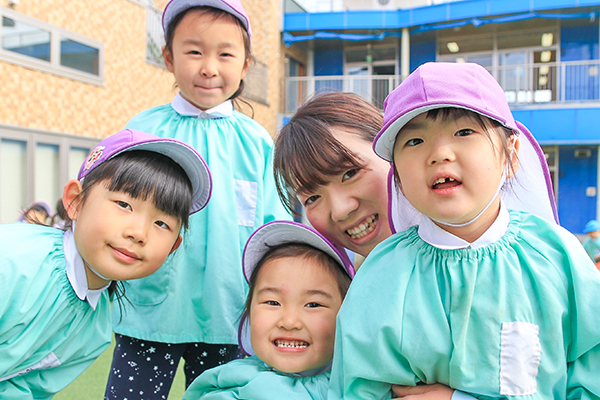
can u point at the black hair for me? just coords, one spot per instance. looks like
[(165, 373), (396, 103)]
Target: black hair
[(143, 175), (298, 249)]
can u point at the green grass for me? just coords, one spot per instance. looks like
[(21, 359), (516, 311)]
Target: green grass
[(91, 384)]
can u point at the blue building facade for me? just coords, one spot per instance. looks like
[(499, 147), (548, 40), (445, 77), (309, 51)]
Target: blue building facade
[(544, 53)]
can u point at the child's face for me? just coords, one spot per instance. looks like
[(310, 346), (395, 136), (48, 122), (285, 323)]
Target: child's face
[(351, 209), (449, 170), (208, 59), (121, 237), (292, 314)]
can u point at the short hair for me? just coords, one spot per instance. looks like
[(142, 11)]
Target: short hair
[(307, 153)]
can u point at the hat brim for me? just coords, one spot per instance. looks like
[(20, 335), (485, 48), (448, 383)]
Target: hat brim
[(279, 232), (383, 145)]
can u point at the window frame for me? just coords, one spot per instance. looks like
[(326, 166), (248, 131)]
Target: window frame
[(53, 66)]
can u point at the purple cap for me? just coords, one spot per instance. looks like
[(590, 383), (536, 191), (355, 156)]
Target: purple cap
[(233, 7), (279, 232), (440, 85), (183, 154)]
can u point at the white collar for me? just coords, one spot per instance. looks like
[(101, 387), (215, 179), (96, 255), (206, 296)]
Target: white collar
[(436, 236), (76, 271), (185, 108)]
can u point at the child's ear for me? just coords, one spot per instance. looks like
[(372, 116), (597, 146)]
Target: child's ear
[(168, 58), (514, 159), (176, 245), (246, 66), (71, 198)]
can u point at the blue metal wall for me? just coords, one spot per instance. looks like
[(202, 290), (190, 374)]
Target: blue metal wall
[(575, 175)]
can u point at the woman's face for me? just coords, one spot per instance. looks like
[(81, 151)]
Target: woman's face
[(351, 209)]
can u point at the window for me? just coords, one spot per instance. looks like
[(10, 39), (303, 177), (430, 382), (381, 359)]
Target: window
[(35, 44), (35, 165), (155, 38)]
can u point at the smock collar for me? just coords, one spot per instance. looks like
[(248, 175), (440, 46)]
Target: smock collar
[(76, 272), (185, 108), (436, 236)]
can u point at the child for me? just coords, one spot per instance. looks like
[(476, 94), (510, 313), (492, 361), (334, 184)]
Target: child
[(208, 51), (591, 244), (133, 195), (37, 213), (491, 302), (297, 281)]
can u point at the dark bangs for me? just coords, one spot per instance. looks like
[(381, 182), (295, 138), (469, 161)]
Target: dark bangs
[(306, 157), (146, 175)]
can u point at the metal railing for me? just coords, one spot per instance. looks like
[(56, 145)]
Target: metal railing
[(541, 83)]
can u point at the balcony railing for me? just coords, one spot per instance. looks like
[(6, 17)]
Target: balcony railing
[(543, 83)]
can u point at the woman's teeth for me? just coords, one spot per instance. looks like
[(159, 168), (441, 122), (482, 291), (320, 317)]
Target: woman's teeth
[(293, 344), (363, 229)]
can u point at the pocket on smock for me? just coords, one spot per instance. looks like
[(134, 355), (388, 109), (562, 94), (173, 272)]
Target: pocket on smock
[(520, 353), (245, 193)]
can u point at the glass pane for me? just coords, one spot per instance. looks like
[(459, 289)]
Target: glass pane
[(525, 39), (356, 55), (79, 56), (466, 45), (383, 53), (13, 179), (77, 156), (25, 39), (47, 173)]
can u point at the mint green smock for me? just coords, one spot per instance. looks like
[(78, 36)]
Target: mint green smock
[(42, 322), (417, 313), (199, 296), (592, 247), (252, 379)]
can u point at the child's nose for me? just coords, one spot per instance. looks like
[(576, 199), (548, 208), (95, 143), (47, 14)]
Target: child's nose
[(136, 232), (441, 152), (209, 67), (289, 321)]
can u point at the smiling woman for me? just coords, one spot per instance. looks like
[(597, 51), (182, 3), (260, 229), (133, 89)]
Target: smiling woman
[(324, 154)]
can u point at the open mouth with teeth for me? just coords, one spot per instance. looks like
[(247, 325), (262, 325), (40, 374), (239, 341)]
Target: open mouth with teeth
[(445, 183), (365, 228), (290, 344)]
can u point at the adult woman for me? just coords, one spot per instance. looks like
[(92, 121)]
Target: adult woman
[(324, 154)]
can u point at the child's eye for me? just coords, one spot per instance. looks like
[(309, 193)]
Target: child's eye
[(271, 303), (349, 174), (311, 199), (313, 305), (464, 132), (226, 54), (124, 205), (414, 142), (162, 224), (194, 52)]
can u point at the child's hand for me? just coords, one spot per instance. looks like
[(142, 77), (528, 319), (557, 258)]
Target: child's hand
[(437, 391)]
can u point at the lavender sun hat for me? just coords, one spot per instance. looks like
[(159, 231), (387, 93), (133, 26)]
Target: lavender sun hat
[(233, 7), (275, 233), (181, 153), (470, 86)]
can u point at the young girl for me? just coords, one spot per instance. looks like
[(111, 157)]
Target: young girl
[(208, 51), (134, 194), (297, 282), (489, 301)]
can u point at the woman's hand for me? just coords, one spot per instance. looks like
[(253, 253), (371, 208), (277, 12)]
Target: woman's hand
[(437, 391)]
